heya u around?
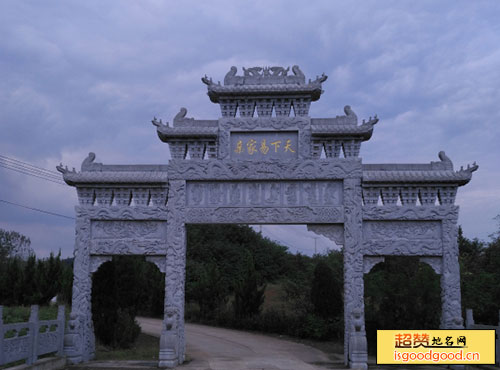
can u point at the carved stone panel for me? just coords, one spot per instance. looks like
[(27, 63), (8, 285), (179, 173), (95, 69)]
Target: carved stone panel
[(402, 238), (144, 247), (110, 229), (114, 237), (265, 215), (264, 194), (273, 170)]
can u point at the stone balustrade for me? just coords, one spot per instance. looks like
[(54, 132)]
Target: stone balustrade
[(32, 339)]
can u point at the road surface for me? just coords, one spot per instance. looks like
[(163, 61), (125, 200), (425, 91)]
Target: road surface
[(224, 349)]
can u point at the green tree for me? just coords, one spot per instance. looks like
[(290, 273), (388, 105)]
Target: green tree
[(248, 297), (29, 291), (13, 292), (119, 290), (325, 292), (11, 241), (401, 293)]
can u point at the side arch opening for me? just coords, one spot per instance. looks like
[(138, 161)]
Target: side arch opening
[(123, 289), (401, 293)]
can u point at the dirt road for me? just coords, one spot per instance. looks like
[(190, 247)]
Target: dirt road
[(215, 348)]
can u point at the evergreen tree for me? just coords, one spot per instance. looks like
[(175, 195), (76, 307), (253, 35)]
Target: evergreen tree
[(248, 297), (325, 292), (13, 283), (29, 290)]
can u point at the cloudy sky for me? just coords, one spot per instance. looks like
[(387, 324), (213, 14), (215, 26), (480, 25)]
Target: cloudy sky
[(81, 76)]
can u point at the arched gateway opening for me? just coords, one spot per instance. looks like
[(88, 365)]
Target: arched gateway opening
[(264, 167), (401, 292), (122, 289)]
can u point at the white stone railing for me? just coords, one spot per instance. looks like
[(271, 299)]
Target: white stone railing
[(29, 340)]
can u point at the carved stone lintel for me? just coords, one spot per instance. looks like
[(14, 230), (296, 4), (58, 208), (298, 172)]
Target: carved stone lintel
[(403, 247), (333, 232), (272, 170), (435, 262), (246, 215), (144, 247), (370, 261), (395, 212), (121, 213)]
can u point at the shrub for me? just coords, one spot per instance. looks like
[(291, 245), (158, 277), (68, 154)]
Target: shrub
[(126, 329)]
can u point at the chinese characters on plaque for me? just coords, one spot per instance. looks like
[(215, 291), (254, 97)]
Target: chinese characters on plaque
[(262, 146)]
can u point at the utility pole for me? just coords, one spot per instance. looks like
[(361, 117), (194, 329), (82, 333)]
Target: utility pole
[(315, 244)]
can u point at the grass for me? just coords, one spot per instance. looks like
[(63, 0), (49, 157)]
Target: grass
[(146, 347)]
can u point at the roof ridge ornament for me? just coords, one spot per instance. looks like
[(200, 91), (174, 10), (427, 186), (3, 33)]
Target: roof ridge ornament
[(181, 116), (274, 75), (64, 169), (159, 123), (446, 160), (469, 168), (89, 165)]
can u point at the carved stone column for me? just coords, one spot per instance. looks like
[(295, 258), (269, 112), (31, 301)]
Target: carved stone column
[(451, 317), (172, 344), (353, 260), (81, 341)]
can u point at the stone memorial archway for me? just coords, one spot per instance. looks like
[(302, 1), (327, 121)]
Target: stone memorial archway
[(263, 166)]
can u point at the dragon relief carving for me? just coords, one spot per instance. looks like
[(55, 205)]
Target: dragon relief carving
[(265, 76), (265, 215), (271, 170)]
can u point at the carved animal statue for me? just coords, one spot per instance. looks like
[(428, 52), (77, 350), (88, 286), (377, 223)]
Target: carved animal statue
[(348, 111), (321, 79), (444, 158), (279, 71), (232, 79), (352, 118), (298, 77), (297, 72), (181, 116), (159, 123), (252, 72), (229, 75), (207, 81), (442, 155), (357, 320)]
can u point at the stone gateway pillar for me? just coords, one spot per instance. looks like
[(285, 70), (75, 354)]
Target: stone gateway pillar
[(172, 342), (263, 161)]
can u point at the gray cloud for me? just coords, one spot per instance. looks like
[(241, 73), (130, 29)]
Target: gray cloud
[(89, 76)]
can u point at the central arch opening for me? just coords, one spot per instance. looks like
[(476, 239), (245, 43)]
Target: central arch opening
[(258, 278)]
